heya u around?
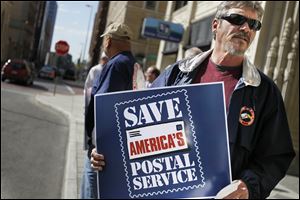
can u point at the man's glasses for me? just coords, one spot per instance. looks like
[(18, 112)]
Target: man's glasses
[(239, 20)]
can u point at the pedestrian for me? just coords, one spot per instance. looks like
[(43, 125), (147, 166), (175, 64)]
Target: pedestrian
[(117, 75), (89, 177), (260, 144), (192, 52), (150, 75), (94, 72)]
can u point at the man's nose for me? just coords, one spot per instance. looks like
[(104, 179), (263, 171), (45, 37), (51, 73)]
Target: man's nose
[(245, 27)]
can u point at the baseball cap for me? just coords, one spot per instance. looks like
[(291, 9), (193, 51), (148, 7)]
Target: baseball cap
[(118, 30)]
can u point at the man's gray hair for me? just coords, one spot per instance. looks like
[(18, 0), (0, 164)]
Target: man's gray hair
[(224, 6)]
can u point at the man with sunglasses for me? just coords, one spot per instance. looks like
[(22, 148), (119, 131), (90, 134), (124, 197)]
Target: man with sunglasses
[(260, 144)]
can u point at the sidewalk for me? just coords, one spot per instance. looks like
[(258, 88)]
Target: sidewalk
[(72, 106)]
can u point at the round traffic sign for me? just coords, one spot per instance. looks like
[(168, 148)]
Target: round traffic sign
[(62, 47)]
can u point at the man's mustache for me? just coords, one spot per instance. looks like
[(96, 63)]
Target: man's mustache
[(242, 35)]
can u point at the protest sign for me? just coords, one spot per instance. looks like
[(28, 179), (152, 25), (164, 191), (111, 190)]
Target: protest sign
[(167, 142)]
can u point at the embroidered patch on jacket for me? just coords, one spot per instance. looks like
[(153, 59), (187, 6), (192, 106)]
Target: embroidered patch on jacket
[(246, 116)]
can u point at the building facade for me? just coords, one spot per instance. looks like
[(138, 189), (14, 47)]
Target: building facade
[(133, 14), (195, 17), (47, 30), (26, 29), (41, 6), (274, 49), (98, 29), (17, 35), (6, 7)]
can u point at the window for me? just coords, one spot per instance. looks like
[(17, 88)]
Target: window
[(179, 4), (201, 34), (141, 29), (150, 5), (170, 48)]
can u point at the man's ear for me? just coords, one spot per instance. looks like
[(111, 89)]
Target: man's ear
[(107, 42), (214, 25)]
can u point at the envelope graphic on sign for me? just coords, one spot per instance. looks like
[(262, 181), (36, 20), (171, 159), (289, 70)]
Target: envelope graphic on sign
[(156, 139)]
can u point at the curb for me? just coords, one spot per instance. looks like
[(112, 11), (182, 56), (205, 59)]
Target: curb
[(69, 188)]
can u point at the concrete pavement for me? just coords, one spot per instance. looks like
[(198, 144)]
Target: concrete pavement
[(72, 106)]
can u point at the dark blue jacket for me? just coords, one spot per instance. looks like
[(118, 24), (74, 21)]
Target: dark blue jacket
[(261, 152), (117, 75)]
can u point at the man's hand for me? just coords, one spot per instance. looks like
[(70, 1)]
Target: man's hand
[(97, 160), (236, 190)]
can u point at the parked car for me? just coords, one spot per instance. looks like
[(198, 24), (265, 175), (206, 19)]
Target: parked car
[(61, 71), (70, 74), (18, 70), (47, 71)]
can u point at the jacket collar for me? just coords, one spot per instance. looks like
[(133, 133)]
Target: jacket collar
[(250, 74)]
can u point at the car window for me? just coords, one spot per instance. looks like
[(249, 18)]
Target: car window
[(48, 68), (17, 66)]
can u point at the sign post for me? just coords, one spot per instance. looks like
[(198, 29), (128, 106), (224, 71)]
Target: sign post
[(61, 49)]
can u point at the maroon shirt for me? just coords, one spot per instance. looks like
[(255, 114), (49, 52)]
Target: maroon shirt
[(210, 72)]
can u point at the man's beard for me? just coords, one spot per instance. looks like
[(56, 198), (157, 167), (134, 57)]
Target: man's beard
[(229, 45), (232, 50)]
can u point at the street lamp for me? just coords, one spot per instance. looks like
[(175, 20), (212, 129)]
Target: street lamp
[(79, 60), (87, 34), (22, 39)]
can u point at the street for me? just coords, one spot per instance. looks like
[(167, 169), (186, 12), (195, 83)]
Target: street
[(33, 142)]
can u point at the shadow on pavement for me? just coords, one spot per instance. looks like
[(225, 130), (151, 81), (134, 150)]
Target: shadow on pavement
[(34, 86), (77, 84), (39, 87)]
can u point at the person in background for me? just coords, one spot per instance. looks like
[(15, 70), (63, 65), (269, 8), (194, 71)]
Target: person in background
[(261, 148), (89, 177), (150, 75), (119, 73), (192, 52), (94, 72)]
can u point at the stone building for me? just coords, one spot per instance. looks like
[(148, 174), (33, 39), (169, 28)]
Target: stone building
[(98, 29), (133, 13), (27, 29), (6, 7), (19, 30), (47, 30)]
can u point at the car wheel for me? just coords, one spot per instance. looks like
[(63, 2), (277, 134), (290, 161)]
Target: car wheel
[(3, 78), (29, 81)]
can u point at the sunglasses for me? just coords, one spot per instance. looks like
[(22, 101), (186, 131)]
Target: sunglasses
[(239, 20)]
